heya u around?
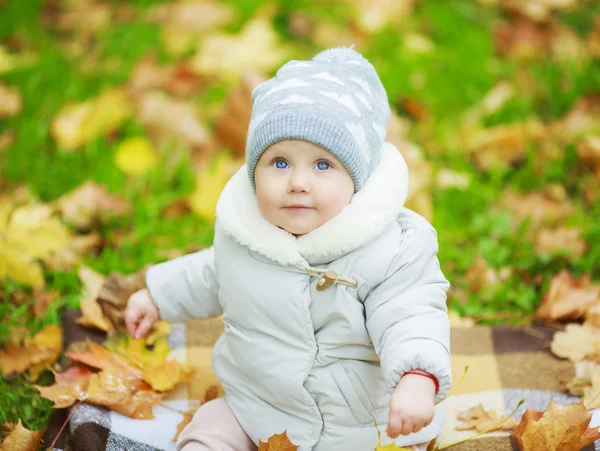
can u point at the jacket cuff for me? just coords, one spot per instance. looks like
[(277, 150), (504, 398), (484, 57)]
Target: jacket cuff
[(420, 354)]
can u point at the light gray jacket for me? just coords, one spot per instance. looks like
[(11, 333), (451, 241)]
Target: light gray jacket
[(320, 364)]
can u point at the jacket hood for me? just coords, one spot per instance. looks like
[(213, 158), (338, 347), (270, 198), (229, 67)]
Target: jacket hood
[(371, 209)]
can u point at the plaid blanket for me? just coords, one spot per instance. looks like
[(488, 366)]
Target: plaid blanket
[(505, 365)]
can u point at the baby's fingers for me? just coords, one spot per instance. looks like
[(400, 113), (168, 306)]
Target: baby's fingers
[(131, 320), (395, 424), (144, 326)]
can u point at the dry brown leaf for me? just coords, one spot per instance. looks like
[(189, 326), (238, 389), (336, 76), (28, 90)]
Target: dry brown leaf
[(549, 241), (589, 152), (593, 39), (90, 203), (576, 342), (539, 10), (568, 298), (558, 428), (167, 117), (176, 79), (6, 140), (502, 145), (192, 16), (482, 275), (21, 439), (69, 256), (581, 120), (548, 207), (232, 124), (483, 420), (523, 39), (10, 101), (591, 394), (372, 16), (35, 354), (461, 322), (277, 442), (115, 292)]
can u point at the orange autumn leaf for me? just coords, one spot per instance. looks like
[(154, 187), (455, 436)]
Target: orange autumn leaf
[(563, 428), (34, 354), (568, 298), (277, 442), (483, 420)]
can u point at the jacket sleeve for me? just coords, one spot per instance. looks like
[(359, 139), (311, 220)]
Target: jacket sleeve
[(406, 314), (185, 287)]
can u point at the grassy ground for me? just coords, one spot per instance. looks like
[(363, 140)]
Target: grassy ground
[(461, 69)]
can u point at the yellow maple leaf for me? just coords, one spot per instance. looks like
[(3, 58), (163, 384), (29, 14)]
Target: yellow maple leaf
[(21, 439), (27, 233), (136, 156), (92, 314), (563, 428), (277, 442), (35, 354), (77, 124), (209, 184), (256, 46)]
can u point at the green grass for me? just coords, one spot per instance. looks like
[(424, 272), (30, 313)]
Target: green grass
[(462, 67)]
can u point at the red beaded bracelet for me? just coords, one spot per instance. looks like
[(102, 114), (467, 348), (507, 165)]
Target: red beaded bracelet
[(430, 376)]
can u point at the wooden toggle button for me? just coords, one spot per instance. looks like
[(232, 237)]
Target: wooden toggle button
[(326, 280)]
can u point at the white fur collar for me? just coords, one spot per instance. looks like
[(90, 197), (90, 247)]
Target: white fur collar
[(370, 211)]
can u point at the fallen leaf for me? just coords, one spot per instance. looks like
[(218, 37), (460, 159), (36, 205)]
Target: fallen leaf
[(10, 102), (6, 140), (539, 10), (232, 123), (523, 39), (66, 258), (277, 442), (91, 203), (176, 79), (167, 117), (549, 241), (372, 16), (502, 145), (392, 447), (136, 156), (78, 124), (21, 439), (481, 274), (192, 16), (69, 387), (589, 152), (547, 207), (576, 342), (115, 292), (210, 182), (568, 298), (558, 428), (457, 321), (92, 314), (483, 420), (591, 394), (256, 46), (581, 120), (35, 354)]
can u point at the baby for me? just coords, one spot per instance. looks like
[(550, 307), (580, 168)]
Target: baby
[(331, 293)]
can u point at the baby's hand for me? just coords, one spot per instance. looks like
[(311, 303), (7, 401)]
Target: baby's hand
[(141, 313), (411, 405)]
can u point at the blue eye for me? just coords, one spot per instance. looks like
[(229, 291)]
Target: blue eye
[(323, 165), (280, 164)]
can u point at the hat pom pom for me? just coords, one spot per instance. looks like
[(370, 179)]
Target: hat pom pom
[(339, 55)]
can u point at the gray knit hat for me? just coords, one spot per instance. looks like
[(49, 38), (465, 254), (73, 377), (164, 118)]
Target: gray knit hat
[(336, 101)]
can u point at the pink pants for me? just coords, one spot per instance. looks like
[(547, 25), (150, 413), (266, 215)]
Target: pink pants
[(214, 428)]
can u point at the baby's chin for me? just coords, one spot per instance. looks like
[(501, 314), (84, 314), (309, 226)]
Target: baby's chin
[(297, 230)]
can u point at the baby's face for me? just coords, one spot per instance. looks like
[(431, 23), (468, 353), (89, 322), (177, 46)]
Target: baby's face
[(300, 186)]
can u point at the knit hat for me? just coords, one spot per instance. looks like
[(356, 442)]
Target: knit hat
[(335, 100)]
